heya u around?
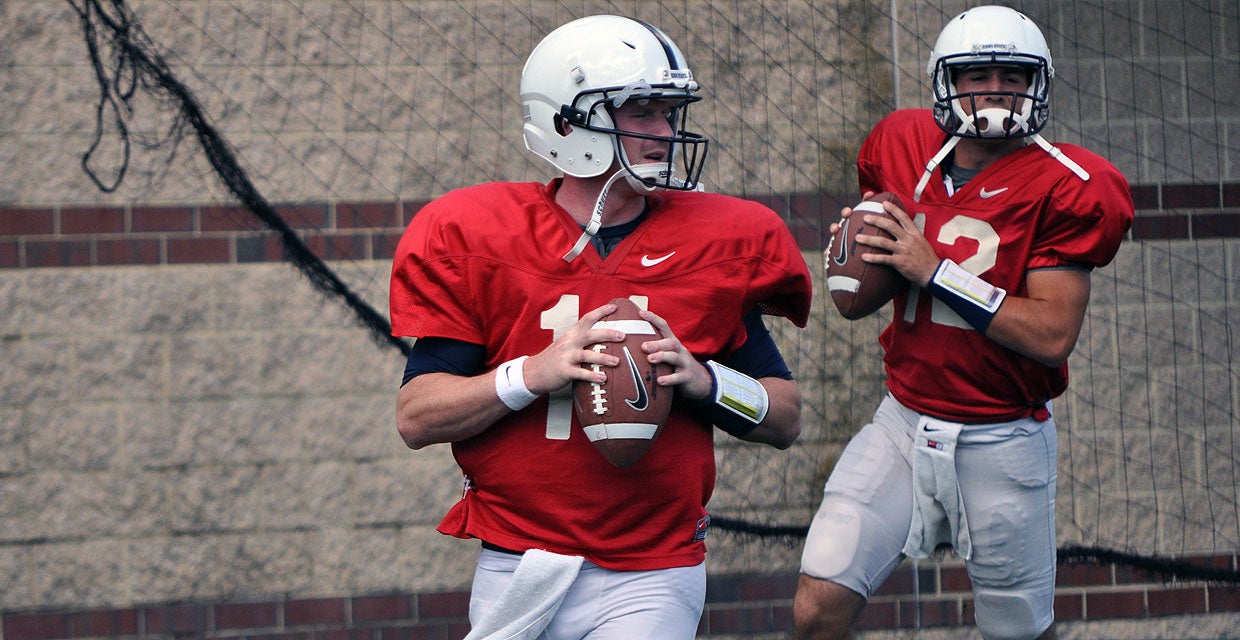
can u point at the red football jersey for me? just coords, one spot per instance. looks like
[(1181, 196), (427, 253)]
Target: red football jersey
[(1025, 211), (484, 265)]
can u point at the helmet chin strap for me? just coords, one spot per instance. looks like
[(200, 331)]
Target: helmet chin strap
[(995, 123), (951, 143), (657, 171), (596, 218), (634, 174), (999, 123), (637, 174), (1063, 159)]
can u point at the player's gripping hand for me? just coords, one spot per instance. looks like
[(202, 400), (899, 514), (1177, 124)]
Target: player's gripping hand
[(561, 363), (911, 254), (691, 378), (844, 213)]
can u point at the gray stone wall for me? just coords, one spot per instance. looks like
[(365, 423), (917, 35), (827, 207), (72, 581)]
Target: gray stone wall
[(205, 432), (404, 100)]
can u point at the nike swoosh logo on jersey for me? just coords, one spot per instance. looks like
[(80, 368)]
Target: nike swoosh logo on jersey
[(647, 261), (643, 398), (990, 194)]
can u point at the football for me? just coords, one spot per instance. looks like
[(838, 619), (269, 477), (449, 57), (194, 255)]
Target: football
[(622, 416), (859, 288)]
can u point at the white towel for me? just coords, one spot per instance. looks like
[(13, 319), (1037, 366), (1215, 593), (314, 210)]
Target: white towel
[(938, 506), (531, 599)]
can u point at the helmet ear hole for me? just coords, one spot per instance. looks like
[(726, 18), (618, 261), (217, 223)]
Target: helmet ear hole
[(561, 127)]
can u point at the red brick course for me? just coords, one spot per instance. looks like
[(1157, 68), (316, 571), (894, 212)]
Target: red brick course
[(97, 236), (735, 606)]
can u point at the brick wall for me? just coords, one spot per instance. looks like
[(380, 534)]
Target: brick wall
[(137, 235), (751, 606), (142, 235), (147, 235)]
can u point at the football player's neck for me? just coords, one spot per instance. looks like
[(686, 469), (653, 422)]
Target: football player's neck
[(579, 195), (977, 154)]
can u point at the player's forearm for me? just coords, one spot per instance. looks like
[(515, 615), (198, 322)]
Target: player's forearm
[(1036, 329), (441, 407), (1044, 324), (782, 425)]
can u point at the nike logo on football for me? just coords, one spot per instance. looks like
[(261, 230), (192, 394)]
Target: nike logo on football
[(647, 261), (643, 399), (990, 194), (841, 256)]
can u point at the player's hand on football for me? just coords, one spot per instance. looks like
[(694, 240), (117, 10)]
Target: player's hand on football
[(691, 378), (561, 362), (845, 212), (911, 253)]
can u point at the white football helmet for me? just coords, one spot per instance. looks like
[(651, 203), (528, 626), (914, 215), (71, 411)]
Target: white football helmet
[(585, 68), (991, 36)]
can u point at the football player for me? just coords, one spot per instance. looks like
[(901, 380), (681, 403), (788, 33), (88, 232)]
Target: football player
[(998, 242), (501, 285)]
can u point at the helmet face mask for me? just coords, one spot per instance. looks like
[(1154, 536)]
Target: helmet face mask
[(581, 72), (991, 37), (683, 147)]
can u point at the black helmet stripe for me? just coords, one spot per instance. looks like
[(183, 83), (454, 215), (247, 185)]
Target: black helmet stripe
[(669, 49)]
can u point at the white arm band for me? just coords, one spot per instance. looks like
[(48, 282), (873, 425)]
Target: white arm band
[(973, 299), (968, 287), (510, 384), (739, 393)]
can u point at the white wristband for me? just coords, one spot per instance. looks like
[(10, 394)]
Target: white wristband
[(510, 384), (739, 393)]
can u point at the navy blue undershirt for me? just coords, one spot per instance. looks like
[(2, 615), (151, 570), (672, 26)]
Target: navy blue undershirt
[(757, 358)]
